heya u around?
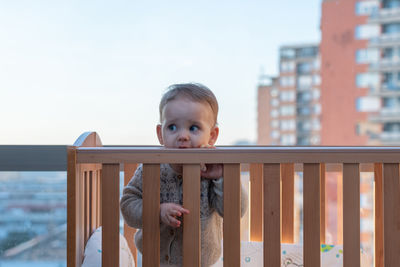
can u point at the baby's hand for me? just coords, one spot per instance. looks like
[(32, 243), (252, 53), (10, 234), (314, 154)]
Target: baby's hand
[(211, 171), (169, 213)]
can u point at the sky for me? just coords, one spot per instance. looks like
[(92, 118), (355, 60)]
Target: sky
[(67, 67)]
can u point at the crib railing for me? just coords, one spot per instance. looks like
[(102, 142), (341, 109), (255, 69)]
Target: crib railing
[(271, 169)]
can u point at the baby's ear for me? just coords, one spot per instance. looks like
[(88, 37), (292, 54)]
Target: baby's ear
[(159, 134), (213, 135)]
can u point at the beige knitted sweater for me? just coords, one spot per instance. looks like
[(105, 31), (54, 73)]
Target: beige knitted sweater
[(211, 213)]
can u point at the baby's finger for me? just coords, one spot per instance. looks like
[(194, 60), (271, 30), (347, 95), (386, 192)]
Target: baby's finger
[(173, 222), (184, 211), (207, 146), (203, 167), (175, 213)]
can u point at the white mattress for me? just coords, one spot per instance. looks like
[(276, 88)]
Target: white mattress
[(251, 254)]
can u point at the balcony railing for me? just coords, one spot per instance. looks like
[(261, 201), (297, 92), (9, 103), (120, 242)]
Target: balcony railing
[(385, 39), (93, 199), (385, 15), (385, 64)]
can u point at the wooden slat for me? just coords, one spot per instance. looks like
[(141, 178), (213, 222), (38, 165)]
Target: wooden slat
[(86, 215), (351, 215), (256, 203), (151, 215), (98, 198), (92, 205), (72, 259), (339, 205), (323, 202), (129, 232), (81, 214), (231, 215), (110, 215), (238, 154), (378, 214), (311, 200), (272, 220), (391, 211), (94, 201), (191, 221), (287, 175)]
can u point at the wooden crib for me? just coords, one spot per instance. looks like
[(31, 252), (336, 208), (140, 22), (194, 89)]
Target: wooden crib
[(93, 199)]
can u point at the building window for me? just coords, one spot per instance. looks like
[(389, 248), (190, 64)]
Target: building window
[(288, 125), (307, 51), (391, 81), (391, 3), (304, 68), (304, 111), (366, 80), (287, 96), (274, 113), (315, 140), (316, 79), (287, 66), (274, 93), (317, 64), (304, 97), (304, 126), (287, 81), (303, 141), (287, 110), (275, 134), (288, 139), (304, 82), (274, 102), (388, 52), (316, 125), (275, 124), (366, 7), (317, 109), (391, 102), (368, 104), (370, 55), (316, 93), (391, 127), (287, 53), (367, 31), (391, 28)]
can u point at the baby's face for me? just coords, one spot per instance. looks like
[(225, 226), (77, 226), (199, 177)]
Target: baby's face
[(187, 124)]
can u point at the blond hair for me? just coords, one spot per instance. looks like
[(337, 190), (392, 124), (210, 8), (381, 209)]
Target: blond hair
[(193, 91)]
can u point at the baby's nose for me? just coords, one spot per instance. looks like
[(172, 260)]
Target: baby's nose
[(183, 136)]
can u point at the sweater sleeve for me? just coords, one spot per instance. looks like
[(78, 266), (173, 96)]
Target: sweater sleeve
[(217, 197), (131, 203)]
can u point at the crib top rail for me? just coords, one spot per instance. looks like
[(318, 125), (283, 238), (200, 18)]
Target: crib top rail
[(241, 154)]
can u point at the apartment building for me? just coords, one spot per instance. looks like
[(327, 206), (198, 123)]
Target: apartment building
[(344, 91), (289, 105), (360, 72)]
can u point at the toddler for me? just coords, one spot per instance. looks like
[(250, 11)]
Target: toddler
[(188, 119)]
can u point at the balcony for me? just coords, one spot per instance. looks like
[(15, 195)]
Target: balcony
[(93, 195), (385, 64), (386, 15), (384, 92), (391, 114), (385, 40), (390, 138)]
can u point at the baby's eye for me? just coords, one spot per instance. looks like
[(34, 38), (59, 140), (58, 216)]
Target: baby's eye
[(172, 127), (194, 128)]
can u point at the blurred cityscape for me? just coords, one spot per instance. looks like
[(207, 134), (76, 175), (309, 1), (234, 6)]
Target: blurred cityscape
[(33, 225), (344, 90)]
